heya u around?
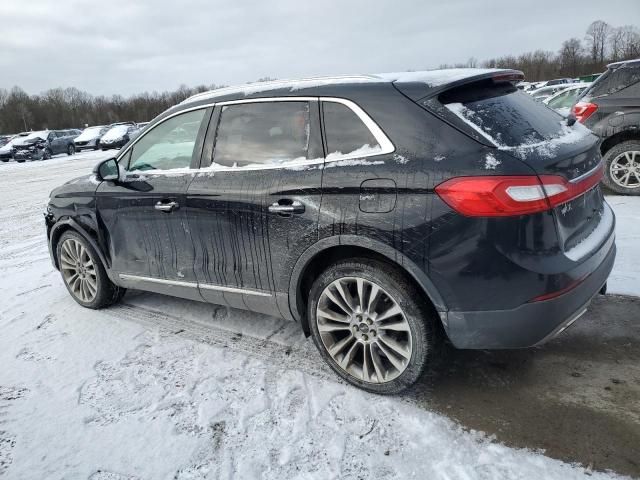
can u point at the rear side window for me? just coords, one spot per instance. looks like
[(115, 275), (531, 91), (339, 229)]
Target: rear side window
[(263, 133), (613, 81), (345, 133), (502, 113)]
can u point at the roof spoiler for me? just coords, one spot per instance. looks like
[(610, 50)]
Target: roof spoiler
[(422, 85)]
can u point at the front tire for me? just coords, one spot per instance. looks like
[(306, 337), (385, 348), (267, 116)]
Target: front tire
[(369, 325), (622, 168), (83, 273), (46, 155)]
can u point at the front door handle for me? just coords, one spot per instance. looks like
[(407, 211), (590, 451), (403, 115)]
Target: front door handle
[(286, 207), (167, 207)]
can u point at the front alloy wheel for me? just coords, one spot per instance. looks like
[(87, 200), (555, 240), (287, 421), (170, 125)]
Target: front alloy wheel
[(78, 270), (370, 324)]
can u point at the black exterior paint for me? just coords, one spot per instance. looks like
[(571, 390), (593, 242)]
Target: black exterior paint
[(478, 273)]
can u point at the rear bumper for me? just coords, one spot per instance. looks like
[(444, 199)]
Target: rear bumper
[(532, 323)]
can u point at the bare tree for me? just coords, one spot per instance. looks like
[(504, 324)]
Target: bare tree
[(597, 35), (570, 56), (629, 42)]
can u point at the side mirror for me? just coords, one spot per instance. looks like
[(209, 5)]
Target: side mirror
[(107, 170)]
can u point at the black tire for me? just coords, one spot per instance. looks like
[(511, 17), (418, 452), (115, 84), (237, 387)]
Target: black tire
[(46, 155), (71, 150), (610, 156), (396, 285), (107, 292), (20, 161)]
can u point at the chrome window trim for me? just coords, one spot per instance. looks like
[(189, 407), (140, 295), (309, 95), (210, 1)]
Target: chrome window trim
[(206, 286), (386, 146)]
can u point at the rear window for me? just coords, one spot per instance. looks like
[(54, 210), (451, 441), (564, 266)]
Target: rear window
[(502, 113), (613, 81)]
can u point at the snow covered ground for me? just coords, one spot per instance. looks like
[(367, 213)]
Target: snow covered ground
[(160, 388)]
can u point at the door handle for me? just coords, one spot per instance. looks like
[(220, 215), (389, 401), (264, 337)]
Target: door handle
[(286, 207), (167, 207)]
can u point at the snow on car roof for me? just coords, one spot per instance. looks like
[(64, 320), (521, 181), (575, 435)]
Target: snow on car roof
[(432, 78)]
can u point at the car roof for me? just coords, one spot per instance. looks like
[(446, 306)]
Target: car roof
[(632, 63), (432, 79)]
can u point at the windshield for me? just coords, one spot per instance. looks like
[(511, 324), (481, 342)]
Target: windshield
[(116, 132)]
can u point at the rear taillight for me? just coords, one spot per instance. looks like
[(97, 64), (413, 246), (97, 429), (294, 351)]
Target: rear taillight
[(504, 196), (583, 110)]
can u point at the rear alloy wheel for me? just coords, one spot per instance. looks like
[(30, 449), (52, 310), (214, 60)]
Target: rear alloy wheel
[(367, 322), (71, 150), (83, 273), (622, 168)]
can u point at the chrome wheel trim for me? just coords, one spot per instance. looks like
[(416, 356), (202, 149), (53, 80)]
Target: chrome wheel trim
[(625, 169), (78, 270), (364, 330)]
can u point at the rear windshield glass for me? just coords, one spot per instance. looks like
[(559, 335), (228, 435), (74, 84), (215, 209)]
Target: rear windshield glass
[(613, 81), (502, 113)]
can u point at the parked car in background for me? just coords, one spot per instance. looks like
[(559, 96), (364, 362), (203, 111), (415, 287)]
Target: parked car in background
[(281, 201), (6, 151), (4, 139), (611, 108), (90, 137), (562, 101), (44, 144), (559, 81), (117, 136), (139, 128), (547, 91)]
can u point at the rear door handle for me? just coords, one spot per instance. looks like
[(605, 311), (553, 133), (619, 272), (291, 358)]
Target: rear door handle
[(167, 206), (286, 207)]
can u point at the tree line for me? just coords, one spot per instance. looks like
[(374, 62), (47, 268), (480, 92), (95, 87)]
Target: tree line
[(73, 108), (601, 45)]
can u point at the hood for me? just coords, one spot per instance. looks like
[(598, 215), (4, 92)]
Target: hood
[(88, 135)]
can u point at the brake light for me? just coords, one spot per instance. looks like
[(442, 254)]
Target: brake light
[(583, 110), (504, 196)]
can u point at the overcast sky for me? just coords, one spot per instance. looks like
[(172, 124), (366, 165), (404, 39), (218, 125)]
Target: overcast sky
[(129, 46)]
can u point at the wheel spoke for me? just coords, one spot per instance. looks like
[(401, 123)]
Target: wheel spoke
[(377, 364), (333, 327), (348, 357), (338, 301), (399, 326), (360, 289), (332, 315), (344, 295), (373, 298), (341, 345), (394, 346), (390, 312), (367, 365), (391, 356)]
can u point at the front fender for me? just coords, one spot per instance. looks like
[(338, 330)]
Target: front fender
[(68, 223)]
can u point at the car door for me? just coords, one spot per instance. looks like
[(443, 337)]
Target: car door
[(144, 211), (253, 207), (56, 142)]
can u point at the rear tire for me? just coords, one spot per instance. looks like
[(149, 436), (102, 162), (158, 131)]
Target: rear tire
[(622, 165), (361, 338), (83, 273), (71, 150)]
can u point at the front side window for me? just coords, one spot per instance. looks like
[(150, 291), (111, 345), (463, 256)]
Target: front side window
[(346, 133), (169, 145), (262, 133)]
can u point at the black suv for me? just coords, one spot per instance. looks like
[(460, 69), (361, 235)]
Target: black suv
[(44, 144), (375, 210), (611, 108)]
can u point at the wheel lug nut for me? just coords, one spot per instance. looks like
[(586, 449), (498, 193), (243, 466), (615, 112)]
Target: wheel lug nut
[(369, 322)]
